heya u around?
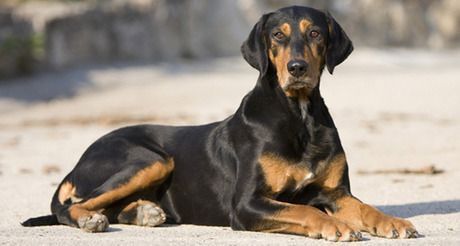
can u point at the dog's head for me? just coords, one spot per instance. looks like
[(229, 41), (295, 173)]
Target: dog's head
[(294, 44)]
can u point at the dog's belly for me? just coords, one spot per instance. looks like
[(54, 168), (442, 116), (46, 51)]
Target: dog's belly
[(186, 206), (194, 196), (200, 188)]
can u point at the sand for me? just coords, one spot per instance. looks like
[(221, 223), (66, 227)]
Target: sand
[(393, 109)]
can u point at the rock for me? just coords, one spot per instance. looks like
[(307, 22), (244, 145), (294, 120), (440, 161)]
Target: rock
[(166, 30), (16, 45), (152, 30), (444, 17), (99, 35)]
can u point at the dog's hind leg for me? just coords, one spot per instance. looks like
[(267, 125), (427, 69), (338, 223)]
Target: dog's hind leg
[(88, 215)]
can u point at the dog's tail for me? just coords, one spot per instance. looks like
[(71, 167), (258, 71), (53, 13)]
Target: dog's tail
[(41, 221)]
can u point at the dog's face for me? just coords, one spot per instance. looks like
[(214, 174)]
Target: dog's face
[(296, 49), (295, 44)]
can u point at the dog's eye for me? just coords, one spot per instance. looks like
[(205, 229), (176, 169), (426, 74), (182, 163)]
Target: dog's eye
[(279, 35), (314, 34)]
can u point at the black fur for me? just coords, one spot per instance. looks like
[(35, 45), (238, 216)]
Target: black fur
[(339, 46), (41, 221)]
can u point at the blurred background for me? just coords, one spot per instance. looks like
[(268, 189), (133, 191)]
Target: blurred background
[(54, 34)]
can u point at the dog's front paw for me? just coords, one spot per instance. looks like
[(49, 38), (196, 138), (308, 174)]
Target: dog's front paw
[(333, 230), (392, 227)]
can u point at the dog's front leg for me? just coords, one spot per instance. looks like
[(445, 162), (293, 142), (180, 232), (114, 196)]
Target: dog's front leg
[(364, 217), (267, 215)]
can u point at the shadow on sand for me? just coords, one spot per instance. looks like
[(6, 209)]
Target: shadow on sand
[(50, 84), (46, 86), (422, 208)]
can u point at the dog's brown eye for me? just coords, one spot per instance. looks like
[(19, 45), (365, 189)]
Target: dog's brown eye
[(279, 35), (314, 34)]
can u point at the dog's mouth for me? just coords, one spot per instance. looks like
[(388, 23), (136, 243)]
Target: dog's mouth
[(297, 84)]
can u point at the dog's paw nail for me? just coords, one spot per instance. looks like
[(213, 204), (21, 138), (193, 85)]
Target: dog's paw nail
[(412, 233), (356, 236)]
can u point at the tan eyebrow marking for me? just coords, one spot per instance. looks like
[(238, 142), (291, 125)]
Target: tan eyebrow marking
[(286, 29), (304, 25)]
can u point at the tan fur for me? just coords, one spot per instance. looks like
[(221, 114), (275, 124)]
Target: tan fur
[(279, 172), (280, 62), (331, 173), (286, 29), (153, 174), (315, 59), (134, 205), (128, 213), (349, 210), (147, 177), (305, 220), (77, 211), (316, 56), (367, 218), (67, 191), (304, 25)]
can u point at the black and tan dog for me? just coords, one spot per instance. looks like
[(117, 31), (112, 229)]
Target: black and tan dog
[(276, 165)]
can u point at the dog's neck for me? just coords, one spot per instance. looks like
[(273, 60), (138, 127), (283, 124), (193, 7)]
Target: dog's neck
[(302, 106), (300, 99), (307, 105), (300, 121)]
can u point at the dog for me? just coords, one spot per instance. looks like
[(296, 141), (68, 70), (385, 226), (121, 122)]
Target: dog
[(275, 165)]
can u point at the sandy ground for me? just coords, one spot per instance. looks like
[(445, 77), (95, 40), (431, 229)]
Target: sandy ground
[(393, 109)]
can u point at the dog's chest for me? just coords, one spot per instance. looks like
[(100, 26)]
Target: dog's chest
[(282, 175)]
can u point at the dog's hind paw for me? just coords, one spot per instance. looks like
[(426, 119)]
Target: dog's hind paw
[(93, 223), (150, 215)]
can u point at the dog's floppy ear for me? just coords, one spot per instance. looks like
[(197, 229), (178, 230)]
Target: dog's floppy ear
[(339, 45), (254, 49)]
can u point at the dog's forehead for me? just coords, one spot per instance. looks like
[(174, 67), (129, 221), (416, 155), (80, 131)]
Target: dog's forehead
[(294, 15)]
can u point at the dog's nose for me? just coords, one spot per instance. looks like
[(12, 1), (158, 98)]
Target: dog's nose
[(297, 68)]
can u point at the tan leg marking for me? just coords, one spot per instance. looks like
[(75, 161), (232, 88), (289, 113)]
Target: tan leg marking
[(367, 218), (68, 191), (308, 221), (76, 211), (147, 177)]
